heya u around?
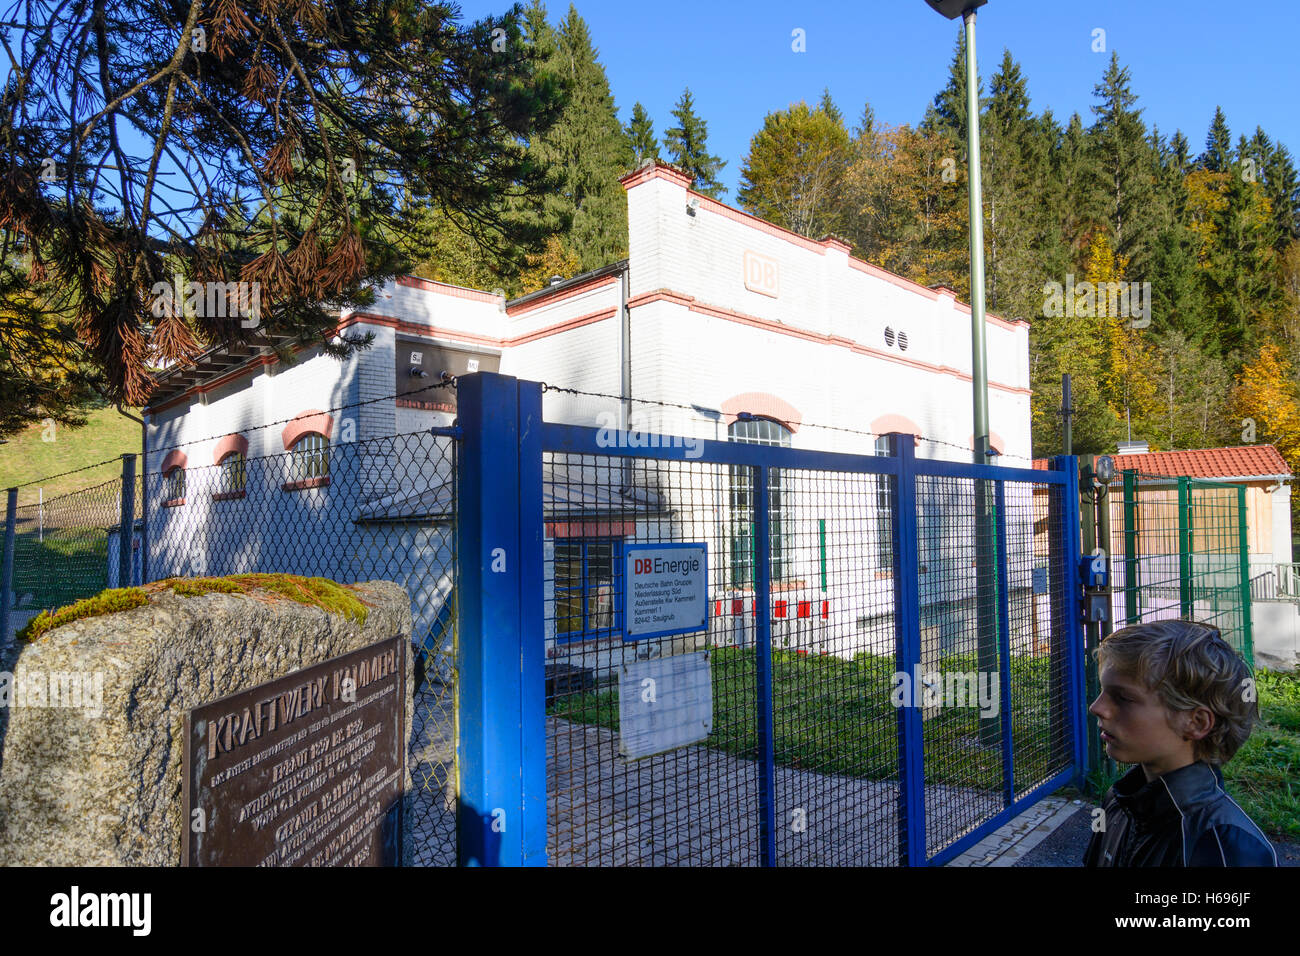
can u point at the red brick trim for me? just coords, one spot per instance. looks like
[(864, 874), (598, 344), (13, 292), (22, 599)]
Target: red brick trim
[(174, 459), (659, 170), (320, 482), (173, 503), (762, 405), (433, 285), (224, 446), (768, 325), (310, 421), (228, 495)]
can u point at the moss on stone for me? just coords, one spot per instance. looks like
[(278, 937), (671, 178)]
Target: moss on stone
[(329, 595), (105, 602)]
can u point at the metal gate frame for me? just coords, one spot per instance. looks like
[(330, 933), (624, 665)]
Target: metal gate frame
[(502, 817)]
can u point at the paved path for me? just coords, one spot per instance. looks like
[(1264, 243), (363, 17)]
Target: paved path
[(1009, 843), (697, 806)]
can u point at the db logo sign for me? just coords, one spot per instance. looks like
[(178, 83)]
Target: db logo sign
[(761, 275), (642, 565)]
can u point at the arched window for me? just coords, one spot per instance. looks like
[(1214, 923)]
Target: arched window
[(756, 431), (232, 472), (174, 486), (310, 458)]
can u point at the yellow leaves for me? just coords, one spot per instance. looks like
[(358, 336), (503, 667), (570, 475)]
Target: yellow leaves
[(1267, 394), (555, 260)]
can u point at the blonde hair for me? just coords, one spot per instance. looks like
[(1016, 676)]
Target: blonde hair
[(1188, 665)]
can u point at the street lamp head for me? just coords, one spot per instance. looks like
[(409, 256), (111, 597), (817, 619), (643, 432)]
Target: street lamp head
[(952, 9)]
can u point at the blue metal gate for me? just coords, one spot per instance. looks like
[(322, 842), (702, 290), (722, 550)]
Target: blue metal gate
[(891, 656)]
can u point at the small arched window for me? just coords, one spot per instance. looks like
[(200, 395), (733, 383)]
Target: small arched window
[(310, 458), (233, 479), (174, 486), (757, 431)]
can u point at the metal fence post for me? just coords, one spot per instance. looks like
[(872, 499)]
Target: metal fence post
[(7, 574), (1004, 644), (501, 818), (128, 520), (1085, 511), (1132, 613), (763, 666), (1068, 650), (1243, 552), (1185, 603), (907, 651)]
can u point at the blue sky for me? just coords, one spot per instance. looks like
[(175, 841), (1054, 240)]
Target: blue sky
[(737, 59)]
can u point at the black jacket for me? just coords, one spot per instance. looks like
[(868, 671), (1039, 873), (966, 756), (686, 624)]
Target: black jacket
[(1183, 818)]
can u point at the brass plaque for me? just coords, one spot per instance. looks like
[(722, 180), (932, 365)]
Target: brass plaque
[(306, 770)]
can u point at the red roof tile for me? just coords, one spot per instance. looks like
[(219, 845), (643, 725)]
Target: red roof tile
[(1241, 461)]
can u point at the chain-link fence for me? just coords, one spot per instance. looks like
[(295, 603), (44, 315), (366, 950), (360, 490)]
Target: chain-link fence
[(1179, 549), (382, 508)]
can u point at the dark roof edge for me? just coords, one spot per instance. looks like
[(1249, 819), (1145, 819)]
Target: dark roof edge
[(614, 268)]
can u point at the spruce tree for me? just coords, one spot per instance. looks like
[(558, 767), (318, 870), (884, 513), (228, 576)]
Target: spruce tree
[(1217, 157), (587, 146), (641, 135), (1124, 171), (687, 145)]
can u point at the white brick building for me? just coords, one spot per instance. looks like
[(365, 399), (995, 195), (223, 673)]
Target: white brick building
[(746, 330)]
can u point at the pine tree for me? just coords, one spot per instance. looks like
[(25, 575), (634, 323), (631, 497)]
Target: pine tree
[(1283, 189), (827, 106), (641, 134), (1124, 171), (1217, 157), (1015, 163), (587, 145), (947, 114), (687, 145)]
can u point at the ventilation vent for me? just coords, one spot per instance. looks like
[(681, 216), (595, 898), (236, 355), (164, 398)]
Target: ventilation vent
[(889, 336), (902, 341)]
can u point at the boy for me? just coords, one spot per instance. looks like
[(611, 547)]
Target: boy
[(1178, 702)]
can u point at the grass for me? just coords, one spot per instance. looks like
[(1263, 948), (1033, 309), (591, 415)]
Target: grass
[(836, 716), (67, 565), (29, 457), (1264, 776)]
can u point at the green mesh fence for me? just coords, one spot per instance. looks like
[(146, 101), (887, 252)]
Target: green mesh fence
[(1179, 549)]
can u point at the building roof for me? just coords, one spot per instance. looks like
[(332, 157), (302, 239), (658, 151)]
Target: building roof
[(564, 499), (1237, 462)]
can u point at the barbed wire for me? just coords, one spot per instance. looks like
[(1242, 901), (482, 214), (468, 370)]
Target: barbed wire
[(64, 474), (449, 382), (547, 387), (452, 382)]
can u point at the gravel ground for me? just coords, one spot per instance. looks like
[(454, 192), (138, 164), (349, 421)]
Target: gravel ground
[(1066, 845)]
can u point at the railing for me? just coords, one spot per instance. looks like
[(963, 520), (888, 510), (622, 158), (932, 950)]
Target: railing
[(1275, 581)]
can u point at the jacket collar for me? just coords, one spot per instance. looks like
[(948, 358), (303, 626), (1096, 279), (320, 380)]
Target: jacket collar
[(1170, 795)]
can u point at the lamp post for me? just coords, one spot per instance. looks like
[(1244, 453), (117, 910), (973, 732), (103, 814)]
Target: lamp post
[(979, 350), (986, 596)]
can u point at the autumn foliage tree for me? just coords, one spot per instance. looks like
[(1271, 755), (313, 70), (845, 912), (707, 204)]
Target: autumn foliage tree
[(140, 138)]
